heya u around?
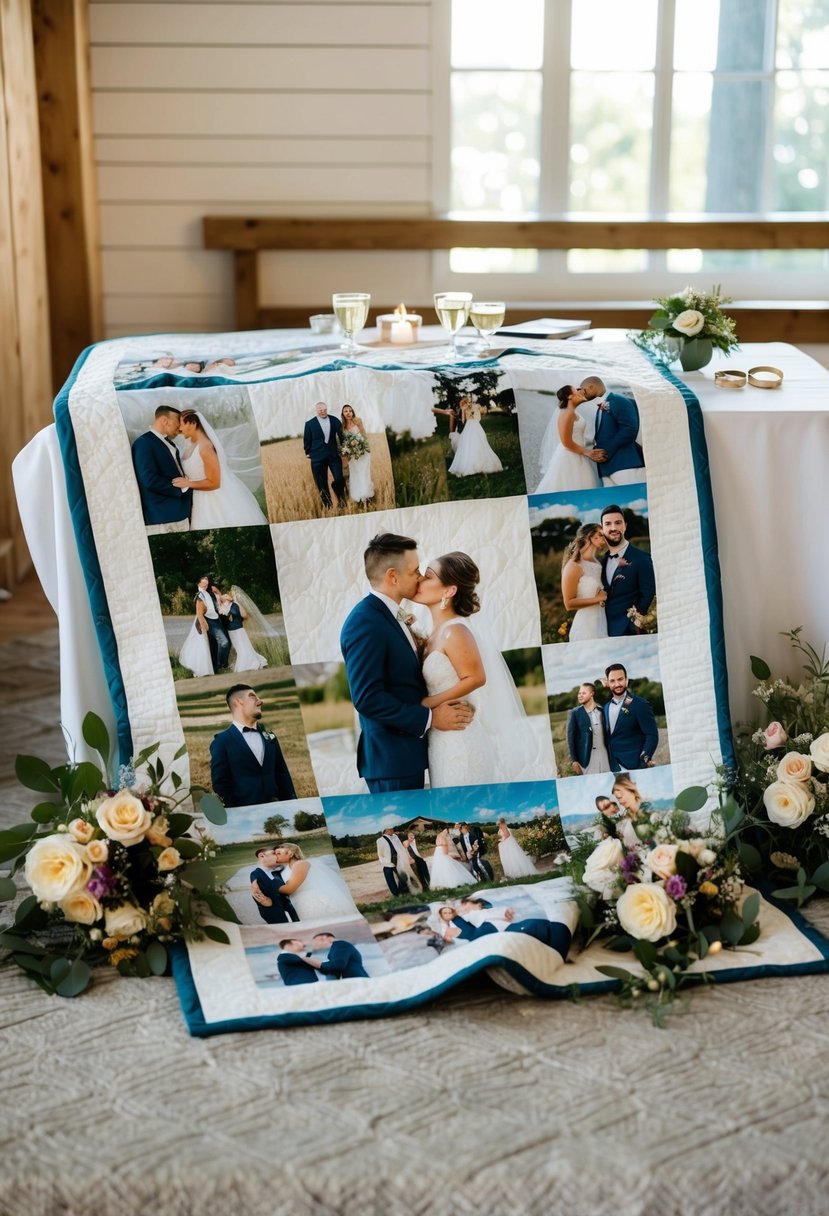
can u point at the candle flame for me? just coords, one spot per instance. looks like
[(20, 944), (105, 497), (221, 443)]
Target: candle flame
[(400, 312)]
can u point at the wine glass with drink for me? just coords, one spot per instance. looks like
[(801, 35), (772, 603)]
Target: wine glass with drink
[(351, 310), (486, 316), (452, 308)]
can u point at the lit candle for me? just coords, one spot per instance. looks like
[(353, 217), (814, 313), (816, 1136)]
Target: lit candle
[(401, 328)]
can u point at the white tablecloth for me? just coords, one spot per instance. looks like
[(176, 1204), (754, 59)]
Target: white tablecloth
[(769, 455)]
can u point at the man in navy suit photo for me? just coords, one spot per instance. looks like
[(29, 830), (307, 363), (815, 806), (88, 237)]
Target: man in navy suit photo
[(320, 440), (630, 724), (627, 575), (586, 732), (266, 880), (343, 961), (157, 461), (382, 665), (617, 425), (246, 762)]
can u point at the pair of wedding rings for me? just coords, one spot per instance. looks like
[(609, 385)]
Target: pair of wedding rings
[(757, 377)]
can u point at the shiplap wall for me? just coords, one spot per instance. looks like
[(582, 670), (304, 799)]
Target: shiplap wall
[(271, 108)]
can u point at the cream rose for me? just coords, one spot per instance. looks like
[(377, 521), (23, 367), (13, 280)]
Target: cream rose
[(169, 859), (646, 912), (97, 851), (55, 867), (794, 767), (774, 736), (689, 323), (819, 751), (158, 830), (81, 831), (788, 803), (601, 870), (81, 907), (124, 818), (662, 860), (124, 920)]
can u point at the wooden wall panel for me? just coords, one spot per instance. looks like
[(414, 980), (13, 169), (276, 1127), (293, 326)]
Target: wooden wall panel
[(279, 183)]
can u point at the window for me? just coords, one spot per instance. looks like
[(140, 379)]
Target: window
[(662, 107)]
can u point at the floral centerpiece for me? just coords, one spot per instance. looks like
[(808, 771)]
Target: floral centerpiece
[(782, 779), (116, 870), (689, 326), (669, 893), (353, 444)]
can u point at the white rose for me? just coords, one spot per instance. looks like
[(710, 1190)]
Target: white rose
[(819, 749), (169, 859), (788, 803), (124, 817), (794, 767), (56, 866), (707, 857), (97, 851), (602, 868), (82, 908), (124, 920), (689, 322), (661, 861), (646, 912), (81, 831)]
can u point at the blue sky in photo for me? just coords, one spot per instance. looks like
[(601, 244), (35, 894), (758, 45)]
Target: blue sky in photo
[(587, 505), (577, 795), (567, 666), (518, 802), (247, 822)]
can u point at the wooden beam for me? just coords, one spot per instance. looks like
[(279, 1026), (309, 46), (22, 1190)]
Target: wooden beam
[(246, 289), (61, 57), (414, 233)]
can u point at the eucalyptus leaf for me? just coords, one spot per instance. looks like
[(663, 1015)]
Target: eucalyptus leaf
[(96, 735), (76, 980), (731, 927), (615, 973), (788, 893), (157, 958), (198, 874), (216, 934), (219, 906), (142, 966), (59, 970), (20, 832), (86, 781), (187, 848), (621, 945), (750, 857), (8, 889), (751, 909), (144, 755), (759, 668), (35, 774), (646, 953), (820, 878), (179, 823), (13, 941), (24, 910), (751, 934), (176, 780), (45, 812), (702, 945), (213, 809), (182, 751), (691, 799)]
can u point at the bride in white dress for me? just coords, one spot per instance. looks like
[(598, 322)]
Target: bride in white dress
[(514, 861), (195, 653), (464, 664), (220, 498), (572, 466), (360, 484), (315, 888), (245, 658), (446, 868), (472, 451), (581, 584)]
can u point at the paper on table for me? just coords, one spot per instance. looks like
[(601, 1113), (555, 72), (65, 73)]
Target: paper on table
[(546, 327)]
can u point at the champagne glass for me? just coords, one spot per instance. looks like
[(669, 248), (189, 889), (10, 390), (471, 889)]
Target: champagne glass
[(486, 316), (351, 310), (452, 308)]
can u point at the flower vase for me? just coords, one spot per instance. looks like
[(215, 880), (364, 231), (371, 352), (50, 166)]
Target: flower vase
[(690, 353)]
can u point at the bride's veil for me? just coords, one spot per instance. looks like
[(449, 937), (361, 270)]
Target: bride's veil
[(256, 624), (217, 444), (500, 709)]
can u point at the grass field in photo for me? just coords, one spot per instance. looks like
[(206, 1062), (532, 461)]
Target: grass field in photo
[(290, 490)]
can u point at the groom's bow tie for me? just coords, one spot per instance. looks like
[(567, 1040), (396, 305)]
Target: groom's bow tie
[(249, 730)]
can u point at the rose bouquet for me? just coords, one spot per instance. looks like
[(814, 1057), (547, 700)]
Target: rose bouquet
[(115, 870), (670, 893), (689, 326), (353, 444), (782, 779)]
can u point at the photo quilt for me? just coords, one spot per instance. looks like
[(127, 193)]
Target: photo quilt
[(410, 621)]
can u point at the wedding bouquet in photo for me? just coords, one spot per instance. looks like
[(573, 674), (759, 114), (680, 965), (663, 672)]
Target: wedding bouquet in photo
[(782, 779), (353, 444), (689, 326), (115, 873), (669, 893)]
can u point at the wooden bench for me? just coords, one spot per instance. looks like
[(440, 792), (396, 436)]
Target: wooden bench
[(757, 321)]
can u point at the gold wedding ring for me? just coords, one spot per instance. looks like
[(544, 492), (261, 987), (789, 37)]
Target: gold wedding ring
[(730, 377), (772, 379)]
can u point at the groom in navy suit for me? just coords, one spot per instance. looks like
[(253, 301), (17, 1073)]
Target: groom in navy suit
[(617, 425), (632, 733), (627, 575), (382, 665), (157, 461), (246, 762), (266, 881), (322, 449)]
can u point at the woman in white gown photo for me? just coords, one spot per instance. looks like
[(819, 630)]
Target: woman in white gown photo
[(514, 861), (195, 653), (220, 498), (462, 663), (360, 484), (244, 657), (581, 584), (446, 868), (472, 451), (568, 464), (314, 887)]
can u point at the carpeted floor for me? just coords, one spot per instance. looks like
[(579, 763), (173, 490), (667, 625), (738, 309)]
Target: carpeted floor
[(485, 1103)]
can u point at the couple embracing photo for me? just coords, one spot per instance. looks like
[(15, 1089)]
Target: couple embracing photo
[(606, 580), (445, 702)]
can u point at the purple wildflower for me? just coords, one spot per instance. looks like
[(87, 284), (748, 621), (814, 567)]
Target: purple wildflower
[(676, 887), (630, 867), (101, 883)]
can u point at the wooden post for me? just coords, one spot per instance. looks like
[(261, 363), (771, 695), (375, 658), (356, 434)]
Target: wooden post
[(61, 43), (246, 285)]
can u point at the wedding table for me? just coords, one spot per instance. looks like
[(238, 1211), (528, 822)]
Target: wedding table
[(768, 452)]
